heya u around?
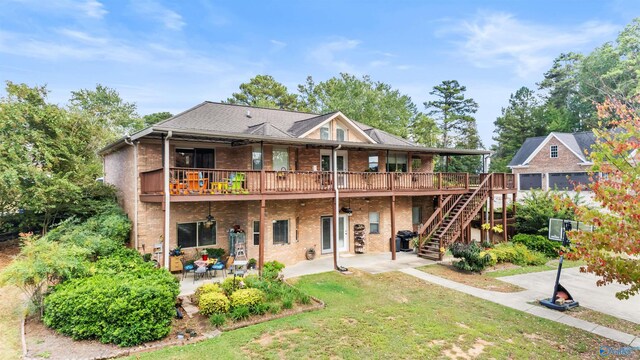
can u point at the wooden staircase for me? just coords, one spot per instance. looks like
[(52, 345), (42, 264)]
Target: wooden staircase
[(447, 223)]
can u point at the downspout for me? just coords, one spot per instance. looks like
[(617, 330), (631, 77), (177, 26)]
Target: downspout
[(336, 208), (135, 190), (167, 199)]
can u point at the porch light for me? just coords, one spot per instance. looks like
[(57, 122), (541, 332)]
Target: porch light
[(210, 219)]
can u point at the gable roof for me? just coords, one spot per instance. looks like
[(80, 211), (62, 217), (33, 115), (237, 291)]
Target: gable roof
[(303, 126), (577, 143)]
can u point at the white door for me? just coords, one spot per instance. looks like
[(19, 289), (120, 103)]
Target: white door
[(326, 226), (342, 165)]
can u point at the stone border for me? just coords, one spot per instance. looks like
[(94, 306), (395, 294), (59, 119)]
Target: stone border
[(319, 304)]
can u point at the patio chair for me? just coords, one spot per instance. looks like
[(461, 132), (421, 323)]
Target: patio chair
[(220, 265), (187, 268), (200, 272), (237, 183)]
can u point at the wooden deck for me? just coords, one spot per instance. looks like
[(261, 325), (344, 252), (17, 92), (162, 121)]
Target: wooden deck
[(188, 184)]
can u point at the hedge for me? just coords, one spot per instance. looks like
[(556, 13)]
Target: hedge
[(121, 307), (538, 243)]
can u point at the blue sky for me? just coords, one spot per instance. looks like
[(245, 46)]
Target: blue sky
[(169, 56)]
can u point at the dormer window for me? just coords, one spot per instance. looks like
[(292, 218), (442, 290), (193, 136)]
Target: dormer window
[(324, 132), (553, 151)]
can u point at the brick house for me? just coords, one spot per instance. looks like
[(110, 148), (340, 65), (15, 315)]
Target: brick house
[(556, 161), (283, 177)]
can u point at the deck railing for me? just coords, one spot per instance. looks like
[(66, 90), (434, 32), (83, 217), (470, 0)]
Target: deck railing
[(192, 181)]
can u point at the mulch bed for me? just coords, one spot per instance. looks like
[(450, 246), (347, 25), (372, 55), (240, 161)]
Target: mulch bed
[(43, 342)]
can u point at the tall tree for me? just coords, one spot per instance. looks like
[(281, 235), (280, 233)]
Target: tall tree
[(371, 102), (425, 131), (106, 108), (49, 162), (523, 118), (454, 115), (265, 91), (611, 251), (155, 118)]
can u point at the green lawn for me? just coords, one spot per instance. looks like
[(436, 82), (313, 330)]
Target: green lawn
[(551, 265), (394, 316)]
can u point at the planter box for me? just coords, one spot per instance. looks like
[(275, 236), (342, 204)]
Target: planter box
[(175, 263)]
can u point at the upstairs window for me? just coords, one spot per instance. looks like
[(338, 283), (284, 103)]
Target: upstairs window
[(280, 159), (373, 162), (554, 151), (195, 158), (341, 134), (324, 133), (256, 158), (397, 162)]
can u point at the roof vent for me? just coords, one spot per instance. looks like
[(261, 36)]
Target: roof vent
[(248, 113)]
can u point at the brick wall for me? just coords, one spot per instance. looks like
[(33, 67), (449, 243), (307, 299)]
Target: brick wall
[(120, 172), (542, 163)]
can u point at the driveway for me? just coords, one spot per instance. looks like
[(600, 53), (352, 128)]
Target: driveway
[(582, 287)]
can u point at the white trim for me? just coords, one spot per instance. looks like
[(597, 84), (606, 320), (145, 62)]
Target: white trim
[(517, 166), (347, 120), (544, 142)]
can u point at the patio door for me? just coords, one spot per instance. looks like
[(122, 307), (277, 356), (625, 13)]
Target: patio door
[(342, 165), (326, 227)]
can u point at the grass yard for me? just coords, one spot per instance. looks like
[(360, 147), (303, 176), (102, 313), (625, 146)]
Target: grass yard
[(482, 281), (551, 265), (394, 315)]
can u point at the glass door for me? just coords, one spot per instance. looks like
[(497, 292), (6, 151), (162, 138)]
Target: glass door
[(326, 226)]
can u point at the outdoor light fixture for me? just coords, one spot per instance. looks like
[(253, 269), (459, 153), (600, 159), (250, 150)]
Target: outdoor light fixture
[(210, 219)]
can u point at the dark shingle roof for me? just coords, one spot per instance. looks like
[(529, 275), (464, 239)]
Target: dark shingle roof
[(302, 126), (577, 142), (240, 119), (526, 149)]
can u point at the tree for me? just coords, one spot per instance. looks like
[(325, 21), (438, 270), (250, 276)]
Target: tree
[(49, 163), (104, 107), (371, 102), (152, 119), (453, 114), (265, 91), (611, 251), (523, 118), (425, 131)]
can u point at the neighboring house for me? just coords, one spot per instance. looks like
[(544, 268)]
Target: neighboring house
[(556, 161), (278, 175)]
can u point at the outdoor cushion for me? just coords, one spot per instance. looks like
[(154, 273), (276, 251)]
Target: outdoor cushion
[(188, 267)]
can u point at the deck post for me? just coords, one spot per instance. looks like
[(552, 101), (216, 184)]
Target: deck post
[(167, 201), (491, 220), (466, 179), (261, 236), (393, 227), (439, 181), (504, 217)]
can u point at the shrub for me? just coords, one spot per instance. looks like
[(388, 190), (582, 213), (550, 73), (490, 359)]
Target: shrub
[(205, 289), (253, 281), (271, 270), (240, 313), (517, 254), (287, 302), (229, 285), (217, 320), (470, 255), (304, 299), (274, 308), (247, 297), (213, 303), (536, 209), (126, 308), (538, 243), (260, 309)]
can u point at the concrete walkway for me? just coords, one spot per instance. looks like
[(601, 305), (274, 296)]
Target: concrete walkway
[(371, 263), (583, 288), (519, 301)]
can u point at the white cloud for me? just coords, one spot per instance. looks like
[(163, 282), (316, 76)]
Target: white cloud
[(83, 8), (277, 45), (169, 18), (326, 54), (93, 8), (500, 39)]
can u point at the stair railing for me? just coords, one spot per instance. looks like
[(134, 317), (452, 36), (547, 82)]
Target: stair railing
[(466, 212), (436, 219)]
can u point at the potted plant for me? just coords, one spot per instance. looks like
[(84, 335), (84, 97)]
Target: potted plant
[(176, 251), (215, 253), (415, 242), (252, 263), (205, 255)]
